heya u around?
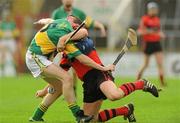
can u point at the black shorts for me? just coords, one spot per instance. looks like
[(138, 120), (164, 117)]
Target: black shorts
[(152, 47), (92, 81)]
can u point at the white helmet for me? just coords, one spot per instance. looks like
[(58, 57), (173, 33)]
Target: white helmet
[(151, 5)]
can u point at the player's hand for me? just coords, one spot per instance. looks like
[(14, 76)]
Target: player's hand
[(162, 35), (60, 46), (41, 93), (110, 67)]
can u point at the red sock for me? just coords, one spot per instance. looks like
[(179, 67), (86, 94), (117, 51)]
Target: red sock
[(106, 115), (128, 88)]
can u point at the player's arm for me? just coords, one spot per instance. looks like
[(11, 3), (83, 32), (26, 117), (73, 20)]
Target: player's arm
[(162, 34), (143, 30), (73, 52), (89, 62), (82, 33), (41, 93), (101, 27), (90, 23), (44, 21)]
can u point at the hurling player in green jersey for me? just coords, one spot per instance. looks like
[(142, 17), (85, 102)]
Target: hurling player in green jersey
[(68, 9), (45, 42), (9, 34)]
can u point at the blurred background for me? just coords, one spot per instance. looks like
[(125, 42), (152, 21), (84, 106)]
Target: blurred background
[(18, 87), (17, 17)]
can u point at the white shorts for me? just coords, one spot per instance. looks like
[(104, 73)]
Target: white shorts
[(9, 44), (35, 63)]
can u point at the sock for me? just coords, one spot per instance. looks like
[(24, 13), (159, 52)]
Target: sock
[(128, 88), (106, 115), (74, 108), (39, 112)]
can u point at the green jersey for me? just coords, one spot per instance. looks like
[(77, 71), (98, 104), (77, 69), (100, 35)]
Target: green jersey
[(45, 41), (4, 26), (8, 30), (61, 13)]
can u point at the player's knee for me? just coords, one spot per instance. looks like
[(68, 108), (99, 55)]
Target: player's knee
[(114, 96), (68, 80), (66, 77)]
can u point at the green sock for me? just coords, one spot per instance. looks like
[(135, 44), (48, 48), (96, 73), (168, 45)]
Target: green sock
[(74, 109), (39, 112)]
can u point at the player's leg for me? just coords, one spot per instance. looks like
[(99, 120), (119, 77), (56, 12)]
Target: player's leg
[(49, 99), (93, 95), (39, 65), (127, 111), (53, 71), (101, 116), (67, 86), (144, 66), (159, 60), (92, 109), (12, 46), (112, 92), (3, 53), (75, 81)]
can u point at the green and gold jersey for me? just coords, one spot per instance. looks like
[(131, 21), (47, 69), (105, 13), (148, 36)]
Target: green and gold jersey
[(61, 13), (7, 25), (8, 29), (71, 50), (45, 41)]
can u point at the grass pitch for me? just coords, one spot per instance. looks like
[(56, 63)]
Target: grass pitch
[(17, 102)]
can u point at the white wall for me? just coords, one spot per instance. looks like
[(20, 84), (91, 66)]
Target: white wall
[(131, 62)]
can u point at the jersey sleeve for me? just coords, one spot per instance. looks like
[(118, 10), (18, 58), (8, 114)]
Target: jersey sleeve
[(89, 22), (72, 51), (82, 16)]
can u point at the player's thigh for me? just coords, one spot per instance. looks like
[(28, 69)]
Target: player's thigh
[(92, 108), (54, 71), (159, 58), (111, 91), (54, 83)]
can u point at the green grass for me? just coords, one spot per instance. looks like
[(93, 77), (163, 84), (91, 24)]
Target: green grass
[(17, 102)]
